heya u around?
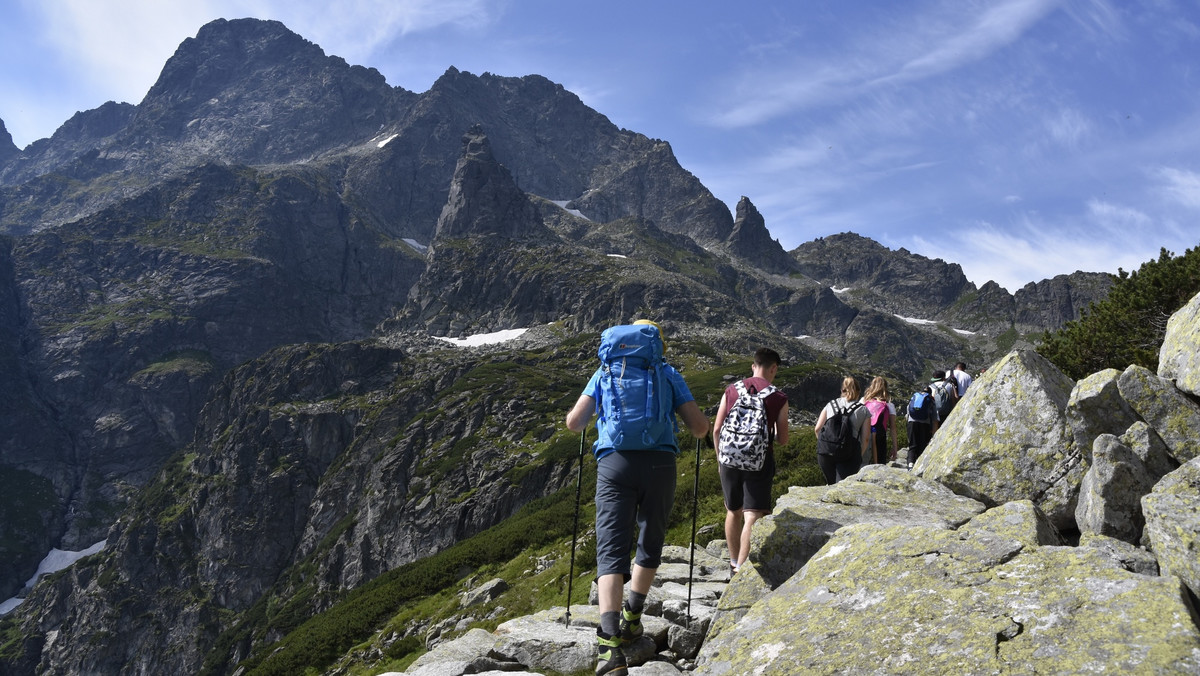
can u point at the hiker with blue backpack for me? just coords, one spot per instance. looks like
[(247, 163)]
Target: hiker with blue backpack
[(751, 419), (923, 421), (843, 432), (636, 396)]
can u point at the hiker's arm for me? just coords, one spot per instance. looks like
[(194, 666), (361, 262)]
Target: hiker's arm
[(579, 416), (820, 421), (895, 439), (719, 420), (864, 435), (694, 418), (781, 426)]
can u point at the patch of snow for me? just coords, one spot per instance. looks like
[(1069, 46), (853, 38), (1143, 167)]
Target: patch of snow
[(913, 320), (841, 290), (802, 337), (484, 338), (964, 332), (617, 256), (416, 245), (55, 561), (386, 141), (562, 204)]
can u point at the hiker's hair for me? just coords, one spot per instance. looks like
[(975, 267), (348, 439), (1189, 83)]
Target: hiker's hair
[(850, 389), (960, 366), (766, 357), (877, 389)]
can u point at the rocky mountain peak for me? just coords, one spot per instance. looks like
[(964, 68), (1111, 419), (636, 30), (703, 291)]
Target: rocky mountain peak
[(8, 149), (484, 199), (751, 240)]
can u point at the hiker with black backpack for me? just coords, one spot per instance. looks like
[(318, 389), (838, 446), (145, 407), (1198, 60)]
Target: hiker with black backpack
[(636, 396), (843, 432), (923, 421), (945, 393), (751, 419)]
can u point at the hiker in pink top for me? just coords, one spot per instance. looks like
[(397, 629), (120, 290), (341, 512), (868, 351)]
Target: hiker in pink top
[(883, 419)]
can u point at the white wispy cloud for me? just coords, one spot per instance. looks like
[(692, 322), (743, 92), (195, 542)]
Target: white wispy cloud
[(935, 39), (1180, 185), (954, 45)]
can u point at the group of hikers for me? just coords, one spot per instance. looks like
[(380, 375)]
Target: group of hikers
[(636, 397)]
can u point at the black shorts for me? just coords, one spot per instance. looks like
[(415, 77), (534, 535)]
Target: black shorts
[(745, 489)]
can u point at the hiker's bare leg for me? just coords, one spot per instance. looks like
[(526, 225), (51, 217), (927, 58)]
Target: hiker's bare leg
[(642, 579), (733, 532), (610, 589), (750, 516)]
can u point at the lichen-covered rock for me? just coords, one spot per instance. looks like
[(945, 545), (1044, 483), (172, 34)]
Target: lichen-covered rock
[(1096, 408), (909, 600), (1008, 440), (1174, 416), (1133, 558), (1019, 520), (1179, 356), (1172, 512), (805, 518), (1122, 471), (1111, 493)]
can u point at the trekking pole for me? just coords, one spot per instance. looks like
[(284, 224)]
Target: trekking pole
[(692, 549), (575, 528)]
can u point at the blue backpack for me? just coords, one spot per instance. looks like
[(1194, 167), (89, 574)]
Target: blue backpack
[(633, 402), (921, 407)]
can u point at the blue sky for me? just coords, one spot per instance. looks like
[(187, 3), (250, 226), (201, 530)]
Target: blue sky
[(1019, 138)]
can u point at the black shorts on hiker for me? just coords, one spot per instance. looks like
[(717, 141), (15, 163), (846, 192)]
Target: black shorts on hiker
[(746, 489), (632, 487)]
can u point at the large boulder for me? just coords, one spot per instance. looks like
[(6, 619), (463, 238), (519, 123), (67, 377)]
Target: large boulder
[(1096, 407), (1008, 440), (1179, 356), (805, 518), (916, 600), (1172, 512), (1123, 470), (1170, 412)]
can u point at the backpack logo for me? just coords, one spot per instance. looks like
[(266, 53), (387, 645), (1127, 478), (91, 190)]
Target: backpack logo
[(633, 403), (746, 432), (837, 435)]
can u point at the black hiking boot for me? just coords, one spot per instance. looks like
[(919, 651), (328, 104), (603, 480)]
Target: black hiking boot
[(610, 659), (631, 625)]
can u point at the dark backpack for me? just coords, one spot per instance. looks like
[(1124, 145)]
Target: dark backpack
[(921, 407), (942, 400), (837, 435), (746, 432), (633, 402)]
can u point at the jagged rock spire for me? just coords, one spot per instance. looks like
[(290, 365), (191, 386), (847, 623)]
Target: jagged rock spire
[(8, 149), (751, 240), (484, 198)]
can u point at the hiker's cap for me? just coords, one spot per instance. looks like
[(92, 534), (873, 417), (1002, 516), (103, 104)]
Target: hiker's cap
[(660, 331)]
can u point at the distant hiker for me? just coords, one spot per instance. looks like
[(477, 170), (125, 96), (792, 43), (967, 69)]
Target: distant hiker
[(962, 378), (636, 396), (882, 418), (945, 393), (843, 432), (752, 418), (922, 423)]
